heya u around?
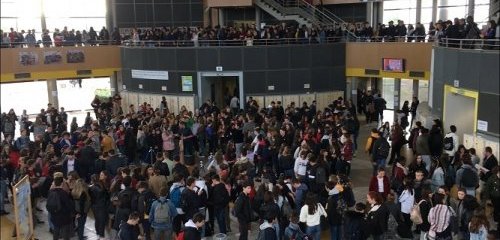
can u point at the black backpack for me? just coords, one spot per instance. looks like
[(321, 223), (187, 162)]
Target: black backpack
[(383, 149), (54, 204), (448, 143), (469, 178)]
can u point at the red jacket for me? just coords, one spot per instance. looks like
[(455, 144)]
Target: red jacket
[(374, 185)]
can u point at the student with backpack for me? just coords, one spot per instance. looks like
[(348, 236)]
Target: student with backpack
[(353, 222), (335, 209), (451, 142), (161, 216), (293, 231), (243, 210), (220, 200), (267, 230), (61, 207), (467, 176), (175, 197), (380, 151)]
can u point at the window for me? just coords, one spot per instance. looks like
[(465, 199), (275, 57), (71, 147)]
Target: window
[(404, 10)]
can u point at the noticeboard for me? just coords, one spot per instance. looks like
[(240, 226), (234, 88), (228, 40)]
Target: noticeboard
[(22, 209)]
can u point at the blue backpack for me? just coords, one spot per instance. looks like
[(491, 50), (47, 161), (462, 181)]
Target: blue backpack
[(175, 196)]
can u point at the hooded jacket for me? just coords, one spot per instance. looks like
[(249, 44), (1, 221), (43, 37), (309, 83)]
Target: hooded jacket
[(267, 231)]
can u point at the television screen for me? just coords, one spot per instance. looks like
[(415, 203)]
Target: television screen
[(393, 64)]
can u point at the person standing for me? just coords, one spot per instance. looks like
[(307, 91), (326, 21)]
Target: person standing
[(439, 218), (220, 200), (377, 217), (61, 207), (99, 198), (243, 210), (161, 216), (413, 110)]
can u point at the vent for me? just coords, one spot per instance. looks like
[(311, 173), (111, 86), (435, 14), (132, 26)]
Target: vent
[(372, 72), (417, 74), (22, 75), (83, 72)]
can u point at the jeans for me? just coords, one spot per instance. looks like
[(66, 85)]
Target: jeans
[(3, 193), (81, 225), (162, 234), (220, 215), (63, 232), (335, 232), (314, 231), (378, 164), (238, 147)]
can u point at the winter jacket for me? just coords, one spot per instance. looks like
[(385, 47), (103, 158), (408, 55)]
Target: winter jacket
[(128, 232), (374, 185), (242, 208), (422, 145), (376, 220), (220, 196), (353, 225), (267, 231)]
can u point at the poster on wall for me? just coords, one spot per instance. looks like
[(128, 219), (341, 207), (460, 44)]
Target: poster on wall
[(75, 56), (51, 57), (28, 58), (187, 83)]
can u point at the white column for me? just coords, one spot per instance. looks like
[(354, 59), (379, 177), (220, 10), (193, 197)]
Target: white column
[(434, 11), (221, 16), (52, 92), (418, 12), (369, 12)]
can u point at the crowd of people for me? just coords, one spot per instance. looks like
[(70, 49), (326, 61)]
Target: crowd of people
[(148, 173), (249, 35)]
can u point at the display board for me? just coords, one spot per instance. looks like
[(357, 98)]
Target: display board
[(22, 209)]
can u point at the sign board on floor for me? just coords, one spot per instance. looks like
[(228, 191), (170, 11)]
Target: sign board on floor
[(22, 209)]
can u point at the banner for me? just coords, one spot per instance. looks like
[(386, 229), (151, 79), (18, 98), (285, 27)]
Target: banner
[(148, 74), (28, 58), (51, 57), (187, 83), (75, 56)]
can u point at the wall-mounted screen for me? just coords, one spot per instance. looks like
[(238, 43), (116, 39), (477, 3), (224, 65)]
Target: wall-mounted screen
[(393, 64)]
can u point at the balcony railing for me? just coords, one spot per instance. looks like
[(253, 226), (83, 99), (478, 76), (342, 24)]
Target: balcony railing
[(485, 44)]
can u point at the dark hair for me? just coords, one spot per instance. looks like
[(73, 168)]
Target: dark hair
[(453, 128), (437, 198), (198, 217), (127, 181), (142, 184), (488, 149), (133, 216), (312, 203), (190, 181), (377, 197), (163, 191), (360, 206)]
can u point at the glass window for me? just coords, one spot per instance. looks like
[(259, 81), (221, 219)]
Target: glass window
[(423, 91), (426, 17), (388, 92), (406, 93)]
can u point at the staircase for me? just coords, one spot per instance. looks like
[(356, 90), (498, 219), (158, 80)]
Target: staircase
[(300, 11), (281, 12)]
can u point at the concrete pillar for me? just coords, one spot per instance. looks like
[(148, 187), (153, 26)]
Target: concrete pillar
[(418, 13), (434, 10), (397, 94), (369, 13), (52, 92), (42, 17), (380, 12), (415, 88), (110, 15), (443, 12), (113, 83), (221, 17), (257, 17), (470, 10)]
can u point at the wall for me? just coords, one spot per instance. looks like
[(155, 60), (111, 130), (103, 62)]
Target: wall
[(149, 13), (364, 55), (174, 102), (476, 70), (287, 68), (103, 61), (353, 12)]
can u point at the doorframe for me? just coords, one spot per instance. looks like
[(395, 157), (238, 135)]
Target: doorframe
[(239, 74), (462, 92)]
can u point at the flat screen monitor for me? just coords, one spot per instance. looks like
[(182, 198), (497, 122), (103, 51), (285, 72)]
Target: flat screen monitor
[(393, 64)]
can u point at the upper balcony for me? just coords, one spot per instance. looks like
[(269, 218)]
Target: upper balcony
[(228, 3)]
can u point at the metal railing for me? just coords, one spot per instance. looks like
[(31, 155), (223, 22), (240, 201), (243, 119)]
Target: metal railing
[(48, 44), (484, 44)]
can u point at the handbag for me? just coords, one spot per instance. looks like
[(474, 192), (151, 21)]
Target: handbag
[(324, 224)]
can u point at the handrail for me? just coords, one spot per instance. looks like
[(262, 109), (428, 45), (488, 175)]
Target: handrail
[(483, 44)]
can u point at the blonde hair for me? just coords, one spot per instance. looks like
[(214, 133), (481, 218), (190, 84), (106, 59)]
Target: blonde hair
[(79, 188)]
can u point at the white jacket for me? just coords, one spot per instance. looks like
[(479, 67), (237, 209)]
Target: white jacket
[(455, 143), (406, 199), (314, 219)]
